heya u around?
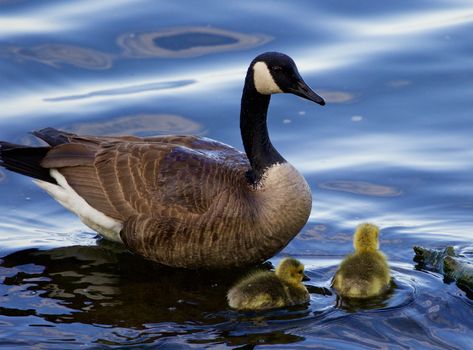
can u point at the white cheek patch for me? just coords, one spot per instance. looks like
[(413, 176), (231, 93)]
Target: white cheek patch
[(264, 82)]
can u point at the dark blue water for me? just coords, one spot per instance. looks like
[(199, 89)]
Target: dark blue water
[(393, 146)]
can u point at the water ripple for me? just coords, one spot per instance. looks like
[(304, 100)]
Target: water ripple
[(360, 187), (441, 153), (57, 54), (127, 90), (187, 42), (412, 23), (139, 125), (332, 96)]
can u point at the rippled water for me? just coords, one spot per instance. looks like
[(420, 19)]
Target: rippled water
[(393, 146)]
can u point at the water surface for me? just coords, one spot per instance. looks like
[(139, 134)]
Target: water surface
[(392, 146)]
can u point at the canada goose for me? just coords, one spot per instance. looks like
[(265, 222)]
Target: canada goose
[(365, 273), (268, 290), (183, 201)]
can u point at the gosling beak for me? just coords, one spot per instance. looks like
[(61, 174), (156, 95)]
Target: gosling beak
[(303, 90), (305, 278)]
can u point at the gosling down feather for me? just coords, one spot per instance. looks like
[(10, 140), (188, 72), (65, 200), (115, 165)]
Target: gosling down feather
[(268, 290), (183, 201), (365, 273)]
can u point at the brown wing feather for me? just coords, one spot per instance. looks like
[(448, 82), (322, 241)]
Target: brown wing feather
[(122, 179), (211, 147), (67, 155)]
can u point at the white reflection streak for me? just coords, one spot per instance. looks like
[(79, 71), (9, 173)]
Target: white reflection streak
[(398, 150), (22, 25), (73, 9), (348, 214), (411, 24), (360, 46), (54, 17)]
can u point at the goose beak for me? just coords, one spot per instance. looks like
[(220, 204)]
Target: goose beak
[(303, 90), (305, 278)]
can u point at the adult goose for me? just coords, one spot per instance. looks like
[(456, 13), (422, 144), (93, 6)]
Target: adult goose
[(183, 201)]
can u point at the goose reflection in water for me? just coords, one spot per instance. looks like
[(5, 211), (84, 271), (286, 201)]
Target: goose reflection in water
[(108, 285)]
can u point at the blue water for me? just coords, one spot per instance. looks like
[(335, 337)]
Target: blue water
[(392, 146)]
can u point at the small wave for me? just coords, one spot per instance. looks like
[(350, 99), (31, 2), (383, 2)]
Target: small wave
[(400, 295)]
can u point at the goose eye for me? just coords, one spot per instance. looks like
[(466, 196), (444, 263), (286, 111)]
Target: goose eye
[(277, 68)]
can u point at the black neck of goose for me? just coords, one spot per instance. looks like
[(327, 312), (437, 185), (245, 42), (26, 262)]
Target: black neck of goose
[(254, 130)]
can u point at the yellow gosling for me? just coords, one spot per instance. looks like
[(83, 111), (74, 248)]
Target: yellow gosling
[(264, 290), (365, 273)]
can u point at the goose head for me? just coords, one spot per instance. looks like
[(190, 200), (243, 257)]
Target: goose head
[(366, 238), (291, 270), (275, 72), (269, 73)]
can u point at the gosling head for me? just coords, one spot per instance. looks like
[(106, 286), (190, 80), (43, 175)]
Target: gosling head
[(275, 72), (366, 238), (290, 270)]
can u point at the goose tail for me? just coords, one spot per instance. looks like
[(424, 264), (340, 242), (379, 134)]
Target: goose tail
[(25, 160), (52, 136)]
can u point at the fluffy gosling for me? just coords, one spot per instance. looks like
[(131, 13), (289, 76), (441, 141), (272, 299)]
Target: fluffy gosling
[(365, 273), (264, 290)]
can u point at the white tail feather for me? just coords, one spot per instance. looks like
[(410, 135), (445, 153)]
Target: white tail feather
[(108, 227)]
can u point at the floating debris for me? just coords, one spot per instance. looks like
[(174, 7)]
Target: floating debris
[(453, 266)]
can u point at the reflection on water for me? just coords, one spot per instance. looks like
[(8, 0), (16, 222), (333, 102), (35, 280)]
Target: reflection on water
[(139, 125), (412, 23), (109, 285), (119, 299), (103, 285), (396, 130), (399, 83), (375, 303), (187, 42), (232, 338), (320, 232), (359, 187), (132, 89), (336, 96), (56, 55)]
